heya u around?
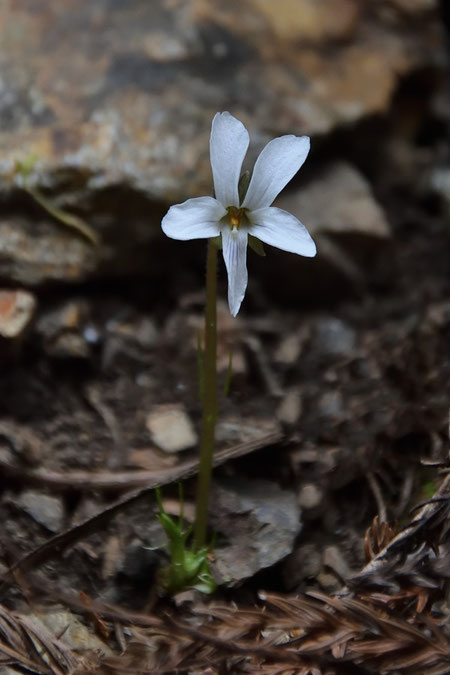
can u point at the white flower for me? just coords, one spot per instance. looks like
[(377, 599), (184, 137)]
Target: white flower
[(205, 217)]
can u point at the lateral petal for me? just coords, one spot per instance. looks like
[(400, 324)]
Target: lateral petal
[(277, 164), (228, 146), (196, 218), (235, 255), (281, 229)]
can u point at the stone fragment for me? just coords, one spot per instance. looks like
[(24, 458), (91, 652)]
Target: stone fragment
[(310, 496), (289, 349), (141, 330), (23, 440), (17, 308), (72, 632), (44, 509), (328, 582), (233, 430), (171, 428), (415, 6), (315, 21), (349, 207), (260, 522), (334, 337), (330, 406), (303, 563), (37, 251), (62, 330), (333, 558), (290, 408), (440, 183)]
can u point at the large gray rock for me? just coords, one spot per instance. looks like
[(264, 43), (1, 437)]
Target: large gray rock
[(114, 101)]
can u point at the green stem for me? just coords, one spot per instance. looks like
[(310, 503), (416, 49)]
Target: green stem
[(209, 400)]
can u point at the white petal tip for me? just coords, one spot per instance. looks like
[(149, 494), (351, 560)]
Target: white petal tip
[(310, 250), (234, 311)]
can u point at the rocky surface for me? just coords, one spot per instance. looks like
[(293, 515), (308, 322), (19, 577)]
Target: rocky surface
[(16, 311), (259, 522), (110, 106)]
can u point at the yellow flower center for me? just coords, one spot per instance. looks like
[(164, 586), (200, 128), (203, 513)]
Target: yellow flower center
[(235, 217)]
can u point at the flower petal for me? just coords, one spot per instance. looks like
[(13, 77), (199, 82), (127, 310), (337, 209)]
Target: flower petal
[(196, 218), (234, 243), (277, 164), (281, 229), (227, 148)]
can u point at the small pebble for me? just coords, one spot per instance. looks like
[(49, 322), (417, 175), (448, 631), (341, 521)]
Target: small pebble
[(310, 496), (303, 563), (331, 406), (44, 509), (334, 337), (16, 311), (171, 428), (328, 582), (333, 558), (290, 408), (289, 349)]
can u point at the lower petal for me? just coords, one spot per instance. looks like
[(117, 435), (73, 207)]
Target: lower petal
[(196, 218), (281, 229), (234, 244)]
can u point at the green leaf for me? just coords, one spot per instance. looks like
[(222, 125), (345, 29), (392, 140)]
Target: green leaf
[(188, 568)]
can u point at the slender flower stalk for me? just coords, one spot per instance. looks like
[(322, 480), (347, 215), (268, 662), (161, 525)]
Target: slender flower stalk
[(209, 399)]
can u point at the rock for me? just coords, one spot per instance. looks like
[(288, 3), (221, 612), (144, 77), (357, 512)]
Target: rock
[(17, 308), (328, 582), (121, 129), (333, 558), (310, 496), (44, 509), (334, 337), (62, 330), (140, 330), (171, 428), (349, 227), (415, 6), (331, 407), (349, 207), (72, 632), (23, 440), (290, 408), (37, 251), (289, 349), (440, 183), (303, 563), (260, 521), (234, 430)]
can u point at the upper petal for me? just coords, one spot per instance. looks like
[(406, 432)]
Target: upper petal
[(196, 218), (234, 246), (281, 229), (277, 164), (227, 148)]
